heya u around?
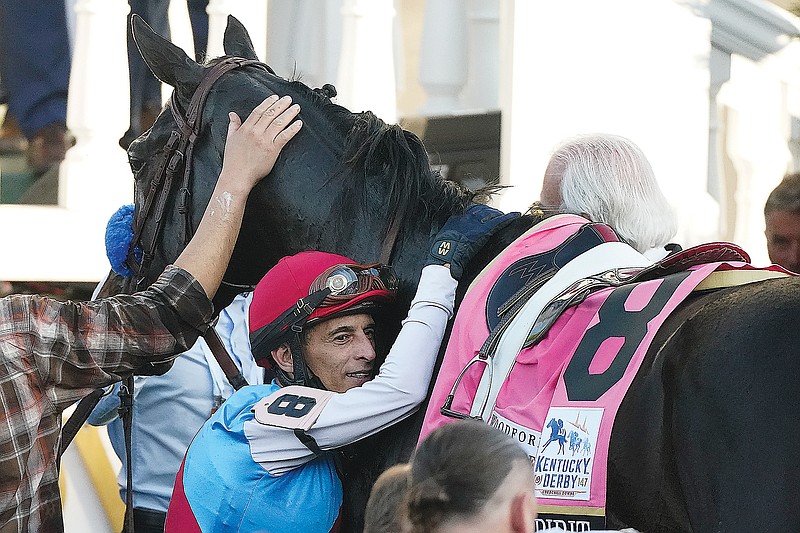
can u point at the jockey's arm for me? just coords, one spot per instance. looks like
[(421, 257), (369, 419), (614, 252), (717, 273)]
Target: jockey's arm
[(395, 393)]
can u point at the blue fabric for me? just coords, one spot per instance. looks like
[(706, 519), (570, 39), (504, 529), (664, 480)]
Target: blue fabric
[(35, 61), (119, 234), (228, 491), (168, 410)]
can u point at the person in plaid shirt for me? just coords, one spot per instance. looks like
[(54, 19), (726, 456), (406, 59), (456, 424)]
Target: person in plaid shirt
[(53, 353)]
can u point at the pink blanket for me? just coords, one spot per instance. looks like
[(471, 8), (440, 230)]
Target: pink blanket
[(561, 397)]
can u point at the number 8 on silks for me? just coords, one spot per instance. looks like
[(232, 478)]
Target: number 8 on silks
[(292, 407)]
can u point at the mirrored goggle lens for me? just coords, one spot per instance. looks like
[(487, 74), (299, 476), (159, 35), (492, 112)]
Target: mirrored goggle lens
[(347, 281), (342, 281)]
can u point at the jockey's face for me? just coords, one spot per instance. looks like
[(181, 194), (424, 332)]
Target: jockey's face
[(783, 239), (341, 351)]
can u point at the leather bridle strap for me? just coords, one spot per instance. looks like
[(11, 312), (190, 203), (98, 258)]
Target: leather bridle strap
[(77, 419), (190, 127), (126, 415), (178, 151), (387, 247), (232, 372)]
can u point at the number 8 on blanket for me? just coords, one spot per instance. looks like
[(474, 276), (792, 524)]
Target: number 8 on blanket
[(616, 321)]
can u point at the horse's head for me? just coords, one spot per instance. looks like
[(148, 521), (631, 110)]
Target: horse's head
[(338, 186)]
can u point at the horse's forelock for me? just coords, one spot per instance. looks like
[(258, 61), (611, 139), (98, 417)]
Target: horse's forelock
[(389, 152)]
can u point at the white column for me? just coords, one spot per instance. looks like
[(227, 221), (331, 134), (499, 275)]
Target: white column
[(366, 79), (443, 65), (311, 55), (180, 27), (756, 144), (483, 73), (95, 171), (251, 13)]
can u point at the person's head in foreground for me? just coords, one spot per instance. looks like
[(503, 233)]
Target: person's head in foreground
[(385, 512), (782, 221), (470, 477), (311, 319), (608, 179)]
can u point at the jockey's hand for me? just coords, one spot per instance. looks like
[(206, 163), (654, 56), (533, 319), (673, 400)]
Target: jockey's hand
[(463, 235), (252, 146)]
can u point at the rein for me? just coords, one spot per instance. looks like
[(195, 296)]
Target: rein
[(387, 246)]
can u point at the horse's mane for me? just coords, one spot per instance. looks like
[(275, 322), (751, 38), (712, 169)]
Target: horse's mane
[(374, 151), (378, 151)]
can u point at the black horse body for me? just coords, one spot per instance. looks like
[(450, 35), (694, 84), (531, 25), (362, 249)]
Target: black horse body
[(704, 440)]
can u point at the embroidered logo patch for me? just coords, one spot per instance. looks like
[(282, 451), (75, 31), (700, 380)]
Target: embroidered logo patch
[(564, 463)]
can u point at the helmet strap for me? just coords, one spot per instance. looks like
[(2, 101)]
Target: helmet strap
[(302, 374)]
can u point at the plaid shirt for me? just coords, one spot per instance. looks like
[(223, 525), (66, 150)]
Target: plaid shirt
[(53, 354)]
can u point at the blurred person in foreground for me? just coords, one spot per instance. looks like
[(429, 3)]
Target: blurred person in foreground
[(469, 477), (385, 512)]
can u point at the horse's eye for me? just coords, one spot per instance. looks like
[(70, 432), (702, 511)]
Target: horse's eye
[(136, 164)]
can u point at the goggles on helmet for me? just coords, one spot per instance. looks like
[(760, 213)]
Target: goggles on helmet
[(345, 282)]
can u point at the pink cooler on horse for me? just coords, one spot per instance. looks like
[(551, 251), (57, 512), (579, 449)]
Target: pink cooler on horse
[(558, 398)]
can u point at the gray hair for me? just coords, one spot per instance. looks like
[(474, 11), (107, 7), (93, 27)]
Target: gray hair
[(786, 196), (608, 178)]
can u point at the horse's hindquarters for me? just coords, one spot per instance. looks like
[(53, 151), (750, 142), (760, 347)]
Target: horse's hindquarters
[(718, 391)]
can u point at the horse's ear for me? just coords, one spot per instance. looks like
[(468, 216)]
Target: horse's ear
[(168, 62), (237, 41)]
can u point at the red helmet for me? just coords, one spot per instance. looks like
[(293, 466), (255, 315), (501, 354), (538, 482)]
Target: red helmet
[(308, 287)]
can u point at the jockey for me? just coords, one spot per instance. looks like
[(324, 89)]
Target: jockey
[(263, 461)]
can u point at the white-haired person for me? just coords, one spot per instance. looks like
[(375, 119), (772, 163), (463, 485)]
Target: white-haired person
[(608, 179)]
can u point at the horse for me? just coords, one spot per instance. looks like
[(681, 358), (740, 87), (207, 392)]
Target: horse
[(682, 455)]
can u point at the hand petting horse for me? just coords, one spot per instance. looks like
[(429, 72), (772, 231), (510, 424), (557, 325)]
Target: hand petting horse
[(695, 444)]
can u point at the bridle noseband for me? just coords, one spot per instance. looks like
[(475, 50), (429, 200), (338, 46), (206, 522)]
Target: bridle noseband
[(177, 152)]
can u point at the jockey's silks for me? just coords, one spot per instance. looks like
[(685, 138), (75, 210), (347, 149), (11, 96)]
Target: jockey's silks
[(221, 488)]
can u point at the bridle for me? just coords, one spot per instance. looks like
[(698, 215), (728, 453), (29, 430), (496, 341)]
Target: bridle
[(177, 153)]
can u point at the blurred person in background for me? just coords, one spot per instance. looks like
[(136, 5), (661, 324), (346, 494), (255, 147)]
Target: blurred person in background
[(35, 60), (782, 221)]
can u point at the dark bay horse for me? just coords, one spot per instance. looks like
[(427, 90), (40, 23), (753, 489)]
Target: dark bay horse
[(702, 441)]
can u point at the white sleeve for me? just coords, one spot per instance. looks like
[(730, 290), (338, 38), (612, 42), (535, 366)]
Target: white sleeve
[(395, 393)]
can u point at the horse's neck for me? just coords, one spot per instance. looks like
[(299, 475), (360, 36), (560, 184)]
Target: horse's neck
[(370, 231), (413, 253)]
